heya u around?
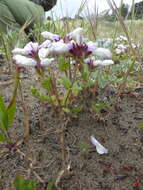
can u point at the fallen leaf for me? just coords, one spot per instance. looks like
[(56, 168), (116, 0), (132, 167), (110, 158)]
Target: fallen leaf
[(99, 147)]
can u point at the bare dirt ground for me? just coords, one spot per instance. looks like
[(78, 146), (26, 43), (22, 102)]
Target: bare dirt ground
[(40, 157)]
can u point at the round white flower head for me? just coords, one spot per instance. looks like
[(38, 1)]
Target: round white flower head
[(121, 46), (24, 61), (45, 44), (92, 46), (19, 51), (103, 53), (134, 46), (94, 63), (97, 63), (30, 62), (57, 48), (107, 62), (43, 53), (32, 46), (76, 35), (119, 51), (121, 38), (50, 36), (31, 49)]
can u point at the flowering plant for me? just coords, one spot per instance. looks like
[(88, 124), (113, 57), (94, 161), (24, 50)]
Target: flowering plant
[(69, 61)]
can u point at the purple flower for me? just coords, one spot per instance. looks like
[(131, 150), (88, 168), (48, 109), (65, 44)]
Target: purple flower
[(79, 50), (31, 49)]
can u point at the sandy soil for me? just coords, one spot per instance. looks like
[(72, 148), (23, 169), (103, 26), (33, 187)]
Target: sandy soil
[(40, 157)]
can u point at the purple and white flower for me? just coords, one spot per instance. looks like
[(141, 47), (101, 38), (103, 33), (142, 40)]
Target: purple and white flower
[(31, 49), (31, 62), (50, 36), (76, 35), (30, 56), (79, 50), (94, 63), (24, 61), (121, 38)]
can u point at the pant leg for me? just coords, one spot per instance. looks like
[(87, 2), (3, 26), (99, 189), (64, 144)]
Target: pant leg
[(7, 20), (25, 11)]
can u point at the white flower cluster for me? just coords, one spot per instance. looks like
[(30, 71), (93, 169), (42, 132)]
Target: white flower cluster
[(30, 56), (120, 49), (121, 45), (121, 38), (72, 45)]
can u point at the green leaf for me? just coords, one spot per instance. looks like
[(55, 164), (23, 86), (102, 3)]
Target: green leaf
[(35, 92), (85, 72), (21, 184), (65, 81), (140, 124), (132, 67), (2, 106), (11, 113), (77, 109), (98, 107), (63, 64), (50, 186), (2, 138), (102, 83), (66, 110), (3, 115), (76, 89), (47, 83)]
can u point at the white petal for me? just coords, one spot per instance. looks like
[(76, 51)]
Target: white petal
[(121, 38), (58, 48), (47, 61), (97, 63), (19, 51), (107, 62), (103, 52), (121, 46), (119, 51), (76, 35), (100, 148), (45, 44), (24, 61), (87, 60), (50, 36), (43, 52), (92, 46), (32, 46)]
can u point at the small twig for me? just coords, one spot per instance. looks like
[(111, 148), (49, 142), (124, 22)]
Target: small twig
[(31, 166), (26, 120), (61, 174), (62, 140), (66, 164), (38, 177)]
